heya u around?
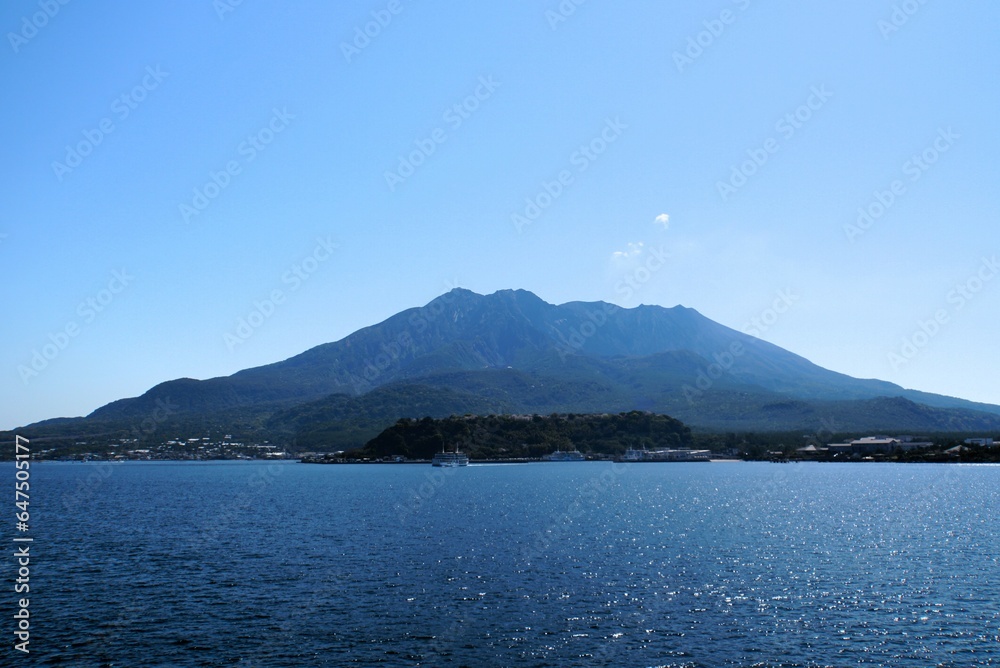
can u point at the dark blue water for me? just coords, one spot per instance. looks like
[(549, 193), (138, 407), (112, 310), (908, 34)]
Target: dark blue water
[(255, 564)]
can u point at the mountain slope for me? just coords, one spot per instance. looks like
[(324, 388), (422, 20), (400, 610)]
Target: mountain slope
[(582, 356)]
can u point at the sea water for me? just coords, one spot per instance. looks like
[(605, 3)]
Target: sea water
[(547, 564)]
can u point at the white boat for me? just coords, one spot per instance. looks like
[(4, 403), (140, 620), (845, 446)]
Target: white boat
[(565, 456), (633, 455), (667, 455), (450, 458)]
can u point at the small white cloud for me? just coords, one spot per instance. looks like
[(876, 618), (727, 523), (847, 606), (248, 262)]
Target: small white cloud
[(633, 250), (663, 219)]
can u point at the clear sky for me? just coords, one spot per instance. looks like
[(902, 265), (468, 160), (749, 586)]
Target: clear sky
[(167, 167)]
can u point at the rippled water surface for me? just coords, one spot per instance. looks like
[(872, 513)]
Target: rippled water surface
[(561, 564)]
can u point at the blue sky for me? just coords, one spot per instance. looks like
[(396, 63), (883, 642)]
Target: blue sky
[(171, 168)]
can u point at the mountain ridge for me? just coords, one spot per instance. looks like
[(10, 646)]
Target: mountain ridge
[(573, 356)]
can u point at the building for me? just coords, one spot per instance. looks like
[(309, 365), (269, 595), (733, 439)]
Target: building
[(872, 444), (877, 444), (906, 446), (984, 442)]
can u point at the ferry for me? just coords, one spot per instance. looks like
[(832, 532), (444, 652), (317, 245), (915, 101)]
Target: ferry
[(450, 458), (667, 455), (565, 456)]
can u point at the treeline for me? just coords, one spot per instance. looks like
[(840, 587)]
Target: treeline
[(513, 436), (760, 445)]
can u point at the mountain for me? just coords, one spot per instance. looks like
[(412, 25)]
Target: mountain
[(511, 352)]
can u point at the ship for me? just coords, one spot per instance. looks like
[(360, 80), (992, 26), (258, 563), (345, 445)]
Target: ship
[(449, 459), (565, 456), (668, 455)]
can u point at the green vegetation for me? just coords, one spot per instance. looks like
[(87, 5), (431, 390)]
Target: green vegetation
[(519, 436)]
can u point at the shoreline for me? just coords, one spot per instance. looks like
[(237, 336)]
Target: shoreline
[(475, 462)]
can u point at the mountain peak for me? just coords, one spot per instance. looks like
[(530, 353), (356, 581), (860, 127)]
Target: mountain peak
[(590, 355), (464, 292)]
